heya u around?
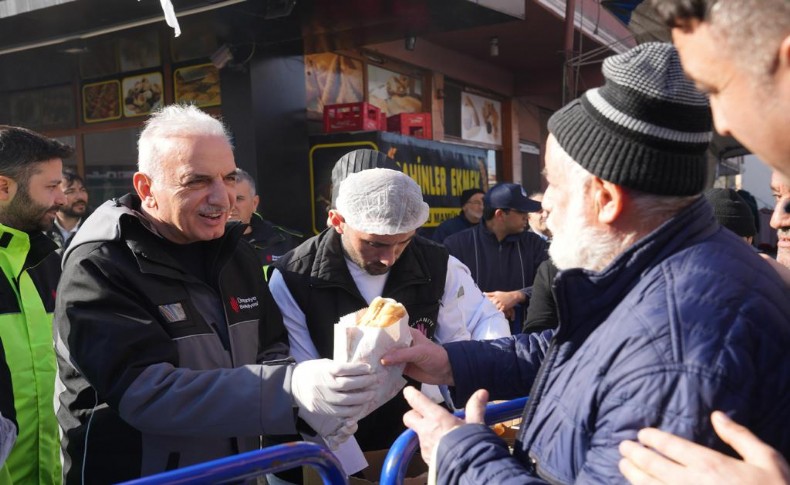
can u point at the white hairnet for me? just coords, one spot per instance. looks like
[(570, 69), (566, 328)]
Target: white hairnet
[(382, 201)]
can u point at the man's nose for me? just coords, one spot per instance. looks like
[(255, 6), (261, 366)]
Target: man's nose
[(781, 215), (387, 255), (60, 197), (221, 194)]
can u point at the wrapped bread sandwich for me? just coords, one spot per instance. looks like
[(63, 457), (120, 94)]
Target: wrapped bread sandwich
[(366, 335)]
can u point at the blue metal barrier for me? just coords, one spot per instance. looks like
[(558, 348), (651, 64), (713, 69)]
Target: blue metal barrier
[(393, 471), (235, 469)]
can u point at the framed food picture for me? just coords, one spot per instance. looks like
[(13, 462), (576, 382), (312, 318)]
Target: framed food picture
[(394, 92), (142, 94), (198, 85), (331, 79), (101, 101), (481, 119)]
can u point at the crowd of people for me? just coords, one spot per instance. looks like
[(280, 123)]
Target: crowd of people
[(174, 325)]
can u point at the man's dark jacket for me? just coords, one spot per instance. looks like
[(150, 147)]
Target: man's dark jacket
[(270, 241), (450, 227), (317, 276), (686, 321), (148, 384), (505, 265)]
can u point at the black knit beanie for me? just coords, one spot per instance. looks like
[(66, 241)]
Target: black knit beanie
[(468, 193), (647, 128), (731, 211)]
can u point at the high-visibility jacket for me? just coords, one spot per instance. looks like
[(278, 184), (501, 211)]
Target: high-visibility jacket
[(31, 269)]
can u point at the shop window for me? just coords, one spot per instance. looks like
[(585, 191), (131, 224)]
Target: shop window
[(110, 163), (197, 41), (101, 58), (139, 51), (41, 109)]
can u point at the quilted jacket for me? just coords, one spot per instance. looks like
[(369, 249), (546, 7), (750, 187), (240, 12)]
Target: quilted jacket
[(686, 321)]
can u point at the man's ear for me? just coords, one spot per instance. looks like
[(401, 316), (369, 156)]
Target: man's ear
[(142, 185), (608, 200), (8, 188), (255, 201), (335, 219)]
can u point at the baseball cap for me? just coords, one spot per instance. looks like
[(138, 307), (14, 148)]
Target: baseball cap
[(510, 196)]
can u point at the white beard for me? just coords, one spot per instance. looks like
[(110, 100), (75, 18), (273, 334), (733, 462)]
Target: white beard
[(576, 243)]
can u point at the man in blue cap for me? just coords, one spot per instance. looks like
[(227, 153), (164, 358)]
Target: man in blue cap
[(501, 254)]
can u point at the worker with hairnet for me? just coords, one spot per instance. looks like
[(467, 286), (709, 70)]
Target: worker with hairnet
[(370, 249)]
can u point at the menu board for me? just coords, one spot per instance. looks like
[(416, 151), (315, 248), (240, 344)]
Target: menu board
[(142, 94), (101, 101), (198, 85)]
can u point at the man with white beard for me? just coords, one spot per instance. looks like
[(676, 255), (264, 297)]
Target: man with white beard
[(664, 315)]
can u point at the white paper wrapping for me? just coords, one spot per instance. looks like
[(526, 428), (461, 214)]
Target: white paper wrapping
[(368, 345)]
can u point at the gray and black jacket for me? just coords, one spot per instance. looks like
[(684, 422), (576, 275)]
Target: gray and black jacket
[(145, 382)]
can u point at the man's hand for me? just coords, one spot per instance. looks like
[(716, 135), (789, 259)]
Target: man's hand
[(431, 421), (425, 361), (332, 395), (504, 301), (679, 461)]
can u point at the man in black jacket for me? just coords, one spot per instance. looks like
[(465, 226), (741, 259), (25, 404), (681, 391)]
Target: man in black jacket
[(269, 240), (170, 347)]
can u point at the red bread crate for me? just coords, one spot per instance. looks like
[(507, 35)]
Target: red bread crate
[(351, 117), (382, 121), (412, 124)]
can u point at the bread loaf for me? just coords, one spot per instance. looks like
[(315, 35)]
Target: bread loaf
[(382, 312)]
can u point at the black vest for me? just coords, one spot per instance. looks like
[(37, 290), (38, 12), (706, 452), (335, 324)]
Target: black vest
[(318, 278)]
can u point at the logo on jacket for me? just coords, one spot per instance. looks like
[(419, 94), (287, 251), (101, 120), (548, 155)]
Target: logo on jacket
[(238, 303), (425, 326)]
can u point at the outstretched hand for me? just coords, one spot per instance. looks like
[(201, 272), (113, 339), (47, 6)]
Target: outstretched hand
[(431, 421), (425, 361), (666, 458)]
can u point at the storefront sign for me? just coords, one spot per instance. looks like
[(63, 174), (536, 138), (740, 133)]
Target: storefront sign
[(442, 170)]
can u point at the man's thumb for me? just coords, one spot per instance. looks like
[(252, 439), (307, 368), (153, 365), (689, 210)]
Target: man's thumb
[(476, 407)]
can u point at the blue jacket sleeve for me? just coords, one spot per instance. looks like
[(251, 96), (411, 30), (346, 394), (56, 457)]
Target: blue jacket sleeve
[(473, 454), (505, 367)]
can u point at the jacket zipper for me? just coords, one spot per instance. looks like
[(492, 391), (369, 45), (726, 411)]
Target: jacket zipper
[(536, 395)]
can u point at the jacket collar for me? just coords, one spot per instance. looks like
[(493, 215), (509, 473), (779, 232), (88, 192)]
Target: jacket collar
[(589, 297), (329, 267), (486, 233), (23, 250)]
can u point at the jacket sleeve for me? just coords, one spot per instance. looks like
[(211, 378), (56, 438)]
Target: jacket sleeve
[(133, 365), (505, 367), (542, 310), (465, 312), (473, 454)]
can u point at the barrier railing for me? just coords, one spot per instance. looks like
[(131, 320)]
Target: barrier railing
[(234, 469), (402, 451)]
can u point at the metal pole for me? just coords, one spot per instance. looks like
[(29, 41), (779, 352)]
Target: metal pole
[(568, 81)]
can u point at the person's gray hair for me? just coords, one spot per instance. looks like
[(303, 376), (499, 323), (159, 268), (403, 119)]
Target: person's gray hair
[(751, 29), (173, 121), (244, 176)]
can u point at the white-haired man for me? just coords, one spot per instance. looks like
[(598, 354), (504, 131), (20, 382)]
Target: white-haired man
[(370, 250), (664, 315), (165, 328)]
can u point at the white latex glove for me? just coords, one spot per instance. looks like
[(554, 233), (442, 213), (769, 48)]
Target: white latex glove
[(331, 396)]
